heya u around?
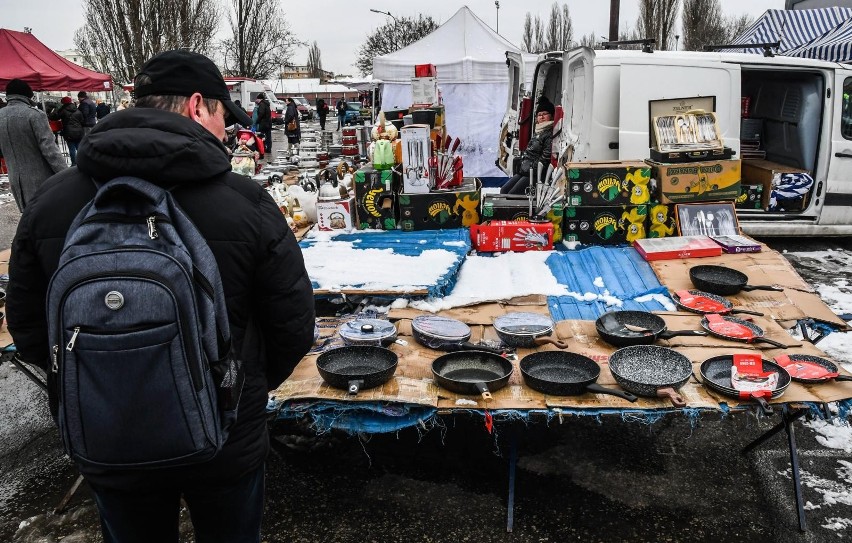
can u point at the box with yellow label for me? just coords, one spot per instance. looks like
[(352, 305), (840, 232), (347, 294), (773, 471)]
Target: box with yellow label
[(605, 225), (698, 181), (609, 183), (458, 208)]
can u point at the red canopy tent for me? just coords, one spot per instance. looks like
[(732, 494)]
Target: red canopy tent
[(22, 56)]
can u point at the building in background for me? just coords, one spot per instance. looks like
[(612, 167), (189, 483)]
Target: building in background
[(74, 56), (303, 72)]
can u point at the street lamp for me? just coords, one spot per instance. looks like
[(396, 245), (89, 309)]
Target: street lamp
[(385, 13), (395, 25), (497, 4), (677, 40)]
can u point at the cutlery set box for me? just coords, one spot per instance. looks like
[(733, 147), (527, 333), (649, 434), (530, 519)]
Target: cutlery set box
[(517, 236), (706, 181), (677, 247), (686, 132)]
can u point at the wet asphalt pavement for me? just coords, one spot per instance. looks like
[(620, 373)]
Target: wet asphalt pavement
[(578, 479)]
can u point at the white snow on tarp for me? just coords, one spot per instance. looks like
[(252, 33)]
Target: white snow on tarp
[(664, 300), (338, 265), (488, 279)]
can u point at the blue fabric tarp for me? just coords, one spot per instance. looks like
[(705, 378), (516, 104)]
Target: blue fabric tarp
[(794, 29), (455, 240), (624, 276)]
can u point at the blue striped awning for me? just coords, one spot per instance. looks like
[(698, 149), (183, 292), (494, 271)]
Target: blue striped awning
[(834, 46), (794, 29)]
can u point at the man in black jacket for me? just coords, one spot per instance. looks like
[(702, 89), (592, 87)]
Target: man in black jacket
[(89, 110), (264, 121), (173, 137)]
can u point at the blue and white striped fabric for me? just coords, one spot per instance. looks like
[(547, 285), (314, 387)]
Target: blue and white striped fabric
[(788, 186), (834, 46), (792, 28)]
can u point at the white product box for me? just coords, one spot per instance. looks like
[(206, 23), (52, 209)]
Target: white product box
[(335, 215), (416, 149)]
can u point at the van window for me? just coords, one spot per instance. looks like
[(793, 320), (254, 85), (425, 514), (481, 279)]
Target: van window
[(516, 74), (846, 117)]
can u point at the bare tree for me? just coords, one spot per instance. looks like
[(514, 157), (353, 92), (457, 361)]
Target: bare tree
[(261, 40), (314, 61), (590, 40), (566, 30), (392, 37), (702, 24), (538, 30), (554, 28), (120, 36), (736, 25), (528, 34), (656, 21)]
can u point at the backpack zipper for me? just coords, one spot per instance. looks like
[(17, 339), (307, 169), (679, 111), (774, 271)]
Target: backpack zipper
[(92, 330), (150, 220)]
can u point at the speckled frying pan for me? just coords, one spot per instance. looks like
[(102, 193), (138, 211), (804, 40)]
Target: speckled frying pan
[(737, 330), (723, 281), (697, 301), (716, 374), (806, 368), (356, 367), (624, 328), (651, 371), (559, 373)]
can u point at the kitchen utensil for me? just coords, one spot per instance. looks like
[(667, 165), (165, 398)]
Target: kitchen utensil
[(736, 330), (806, 368), (472, 372), (357, 367), (651, 371), (723, 281), (559, 373), (445, 334), (716, 374), (696, 301), (612, 328), (521, 329), (367, 331)]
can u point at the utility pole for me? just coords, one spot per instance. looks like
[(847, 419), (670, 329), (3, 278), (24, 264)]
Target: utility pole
[(497, 4), (614, 7)]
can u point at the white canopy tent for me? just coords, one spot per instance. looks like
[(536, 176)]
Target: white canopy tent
[(473, 81)]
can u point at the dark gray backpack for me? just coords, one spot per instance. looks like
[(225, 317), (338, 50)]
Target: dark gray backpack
[(139, 334)]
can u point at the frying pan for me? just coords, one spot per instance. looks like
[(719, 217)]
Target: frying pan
[(614, 328), (696, 301), (356, 367), (364, 331), (737, 330), (521, 329), (652, 371), (565, 374), (472, 372), (716, 374), (806, 368), (444, 334), (723, 281)]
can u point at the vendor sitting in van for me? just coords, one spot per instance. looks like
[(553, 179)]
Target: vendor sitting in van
[(538, 149)]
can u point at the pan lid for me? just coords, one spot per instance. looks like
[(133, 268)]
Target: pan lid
[(441, 327), (521, 323), (366, 330)]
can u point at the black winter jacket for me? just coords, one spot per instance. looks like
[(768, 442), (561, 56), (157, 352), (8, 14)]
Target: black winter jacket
[(72, 122), (538, 150), (267, 289), (264, 115)]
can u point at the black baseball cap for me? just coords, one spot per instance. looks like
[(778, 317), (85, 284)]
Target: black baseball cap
[(182, 73)]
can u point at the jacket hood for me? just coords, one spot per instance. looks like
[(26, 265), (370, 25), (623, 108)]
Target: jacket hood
[(159, 146)]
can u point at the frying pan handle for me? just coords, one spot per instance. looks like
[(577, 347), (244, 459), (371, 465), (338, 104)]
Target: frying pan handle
[(666, 334), (468, 346), (545, 340), (672, 394), (770, 341), (596, 388), (843, 378), (483, 389), (747, 312), (749, 288), (355, 386), (765, 408)]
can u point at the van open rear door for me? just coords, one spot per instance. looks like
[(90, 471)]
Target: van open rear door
[(509, 126), (837, 203), (572, 138)]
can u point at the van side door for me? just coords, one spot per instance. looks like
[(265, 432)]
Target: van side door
[(837, 205), (508, 144)]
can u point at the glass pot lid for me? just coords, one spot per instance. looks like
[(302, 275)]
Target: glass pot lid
[(520, 323), (367, 330), (441, 328)]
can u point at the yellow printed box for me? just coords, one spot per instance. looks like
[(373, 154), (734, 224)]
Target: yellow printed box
[(698, 181), (608, 183), (458, 208)]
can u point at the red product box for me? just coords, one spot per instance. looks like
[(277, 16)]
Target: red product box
[(425, 70), (677, 247), (518, 236)]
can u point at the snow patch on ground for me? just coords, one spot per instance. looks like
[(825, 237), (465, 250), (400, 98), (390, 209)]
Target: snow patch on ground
[(838, 347), (838, 492), (833, 434)]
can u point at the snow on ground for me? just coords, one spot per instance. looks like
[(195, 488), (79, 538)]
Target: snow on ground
[(833, 434), (836, 492)]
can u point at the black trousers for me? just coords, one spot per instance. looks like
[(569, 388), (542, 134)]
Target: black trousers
[(518, 184)]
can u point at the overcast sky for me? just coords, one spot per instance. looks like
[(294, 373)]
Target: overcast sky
[(339, 27)]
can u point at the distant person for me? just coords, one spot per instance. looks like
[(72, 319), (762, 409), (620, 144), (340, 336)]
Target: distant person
[(264, 121), (238, 104), (72, 126), (30, 151), (341, 112), (322, 112), (538, 149), (89, 111), (102, 109), (292, 124), (122, 105)]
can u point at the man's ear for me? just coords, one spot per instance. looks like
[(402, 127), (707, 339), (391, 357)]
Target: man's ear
[(194, 106)]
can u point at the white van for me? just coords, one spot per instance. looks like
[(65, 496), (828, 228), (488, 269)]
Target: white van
[(246, 90), (606, 97)]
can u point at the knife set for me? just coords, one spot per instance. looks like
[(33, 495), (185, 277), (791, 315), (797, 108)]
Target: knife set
[(423, 170), (692, 131)]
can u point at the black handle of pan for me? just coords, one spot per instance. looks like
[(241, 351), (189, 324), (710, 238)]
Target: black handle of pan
[(769, 341), (666, 334), (843, 378), (749, 288), (483, 389), (594, 387), (765, 408), (355, 385), (747, 312), (468, 346)]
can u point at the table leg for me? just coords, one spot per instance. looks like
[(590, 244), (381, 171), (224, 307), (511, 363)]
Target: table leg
[(513, 461)]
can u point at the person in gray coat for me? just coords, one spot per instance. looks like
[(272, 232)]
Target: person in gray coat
[(27, 143)]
